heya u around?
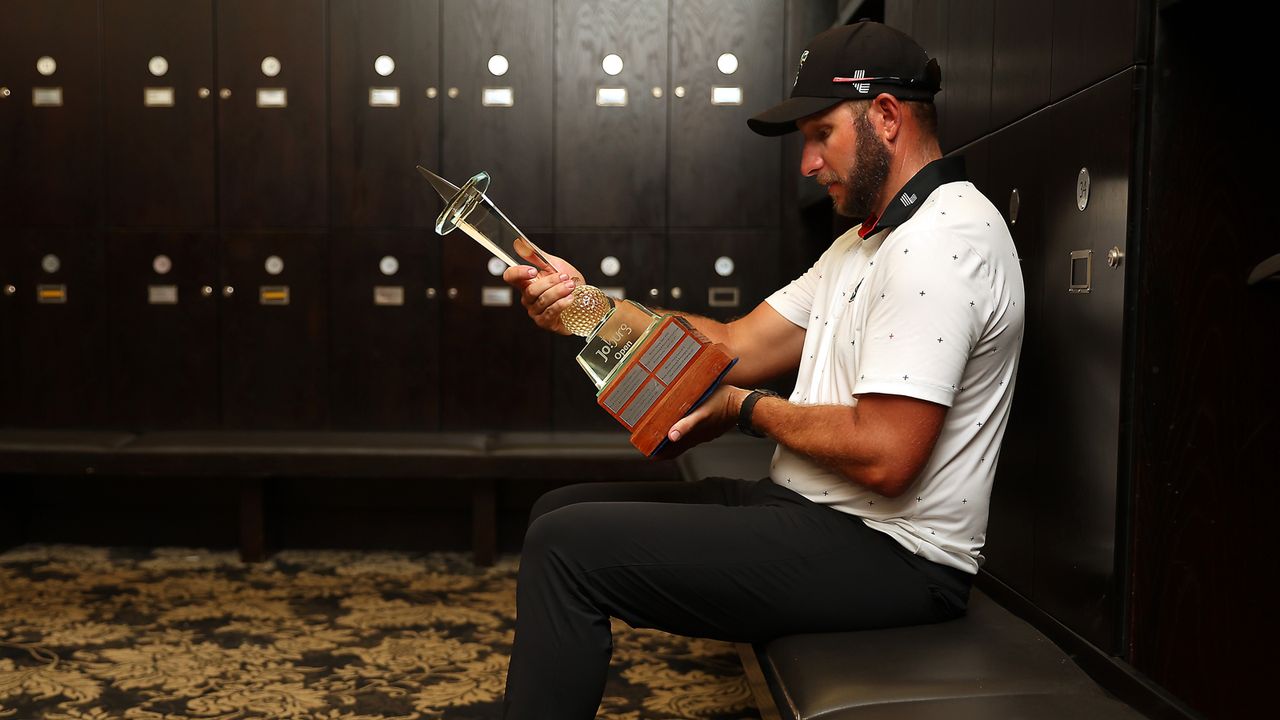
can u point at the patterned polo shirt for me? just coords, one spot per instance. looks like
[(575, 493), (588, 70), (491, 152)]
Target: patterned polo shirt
[(926, 303)]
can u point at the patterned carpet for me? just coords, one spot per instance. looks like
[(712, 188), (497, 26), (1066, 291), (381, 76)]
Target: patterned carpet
[(168, 634)]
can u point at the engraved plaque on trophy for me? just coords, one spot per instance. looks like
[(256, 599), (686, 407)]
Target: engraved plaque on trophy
[(649, 370)]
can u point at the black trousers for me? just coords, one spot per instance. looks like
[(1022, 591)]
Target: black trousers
[(732, 560)]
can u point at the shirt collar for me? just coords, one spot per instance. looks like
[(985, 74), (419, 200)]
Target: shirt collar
[(910, 197)]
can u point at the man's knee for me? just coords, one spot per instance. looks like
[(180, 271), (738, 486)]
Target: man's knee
[(556, 499)]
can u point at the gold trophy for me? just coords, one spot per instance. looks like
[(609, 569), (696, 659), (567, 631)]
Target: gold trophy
[(649, 370)]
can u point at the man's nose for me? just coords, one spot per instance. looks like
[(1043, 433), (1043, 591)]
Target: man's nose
[(810, 161)]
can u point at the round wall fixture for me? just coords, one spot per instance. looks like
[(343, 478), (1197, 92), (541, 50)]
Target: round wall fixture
[(270, 66), (727, 63), (389, 265), (1082, 189), (611, 266), (162, 264), (274, 265), (158, 66), (46, 65), (384, 65), (612, 64), (50, 263), (498, 65), (724, 266), (496, 267)]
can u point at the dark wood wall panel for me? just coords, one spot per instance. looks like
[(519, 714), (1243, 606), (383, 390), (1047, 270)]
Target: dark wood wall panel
[(611, 161), (272, 160), (720, 173), (721, 274), (374, 148), (159, 158), (164, 339), (50, 159), (1206, 428), (512, 144)]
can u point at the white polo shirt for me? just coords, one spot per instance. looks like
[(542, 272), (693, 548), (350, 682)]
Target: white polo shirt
[(930, 309)]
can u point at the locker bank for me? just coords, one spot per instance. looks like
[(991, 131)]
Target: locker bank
[(263, 428)]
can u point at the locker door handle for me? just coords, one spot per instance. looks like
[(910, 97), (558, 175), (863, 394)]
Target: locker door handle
[(10, 290), (452, 293), (224, 93), (207, 291), (1268, 269), (228, 291)]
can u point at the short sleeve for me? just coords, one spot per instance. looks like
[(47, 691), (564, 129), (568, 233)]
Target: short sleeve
[(925, 313), (795, 301)]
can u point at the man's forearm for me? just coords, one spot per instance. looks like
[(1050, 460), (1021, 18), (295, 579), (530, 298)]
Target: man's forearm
[(841, 438)]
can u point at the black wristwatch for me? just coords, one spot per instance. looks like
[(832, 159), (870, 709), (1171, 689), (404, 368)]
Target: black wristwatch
[(744, 414)]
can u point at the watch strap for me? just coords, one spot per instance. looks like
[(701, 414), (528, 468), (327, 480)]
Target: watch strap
[(748, 406)]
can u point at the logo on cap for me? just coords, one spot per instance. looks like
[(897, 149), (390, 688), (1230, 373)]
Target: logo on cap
[(863, 88), (803, 56)]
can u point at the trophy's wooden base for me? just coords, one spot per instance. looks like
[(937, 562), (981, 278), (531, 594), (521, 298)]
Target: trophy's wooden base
[(671, 373)]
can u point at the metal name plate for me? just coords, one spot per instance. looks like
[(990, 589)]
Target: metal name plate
[(157, 97), (273, 98), (611, 97), (625, 388), (273, 295), (644, 400), (388, 295), (162, 294), (498, 97), (679, 359), (499, 296), (722, 297), (662, 345), (726, 95), (46, 96), (51, 294), (384, 97)]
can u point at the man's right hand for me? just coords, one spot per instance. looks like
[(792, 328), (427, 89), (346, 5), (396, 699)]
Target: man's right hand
[(545, 294)]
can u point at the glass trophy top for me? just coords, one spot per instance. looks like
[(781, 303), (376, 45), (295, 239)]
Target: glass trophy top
[(471, 211)]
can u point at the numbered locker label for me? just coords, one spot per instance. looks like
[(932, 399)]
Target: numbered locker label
[(388, 295), (162, 294), (51, 294)]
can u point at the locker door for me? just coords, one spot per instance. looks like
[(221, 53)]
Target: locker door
[(164, 343), (497, 102), (59, 323), (611, 122), (275, 341), (1091, 40), (495, 365), (1023, 40), (722, 275), (384, 111), (271, 113), (159, 113), (386, 325), (1017, 188), (725, 66), (969, 46), (932, 20), (1083, 317), (50, 167), (626, 265)]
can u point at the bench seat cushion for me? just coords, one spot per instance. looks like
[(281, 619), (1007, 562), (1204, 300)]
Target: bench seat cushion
[(987, 664)]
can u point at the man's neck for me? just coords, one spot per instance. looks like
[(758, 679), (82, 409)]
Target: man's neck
[(908, 164)]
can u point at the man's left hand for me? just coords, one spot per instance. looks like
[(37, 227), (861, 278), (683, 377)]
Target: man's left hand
[(709, 421)]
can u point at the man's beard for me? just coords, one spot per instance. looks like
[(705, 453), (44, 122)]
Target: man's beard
[(867, 178)]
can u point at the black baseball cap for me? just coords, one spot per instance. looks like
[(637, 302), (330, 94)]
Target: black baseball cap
[(853, 62)]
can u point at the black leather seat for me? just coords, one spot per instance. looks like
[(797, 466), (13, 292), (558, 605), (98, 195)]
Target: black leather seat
[(989, 664)]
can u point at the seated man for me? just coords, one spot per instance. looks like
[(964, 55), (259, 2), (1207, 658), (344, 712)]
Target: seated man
[(905, 334)]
